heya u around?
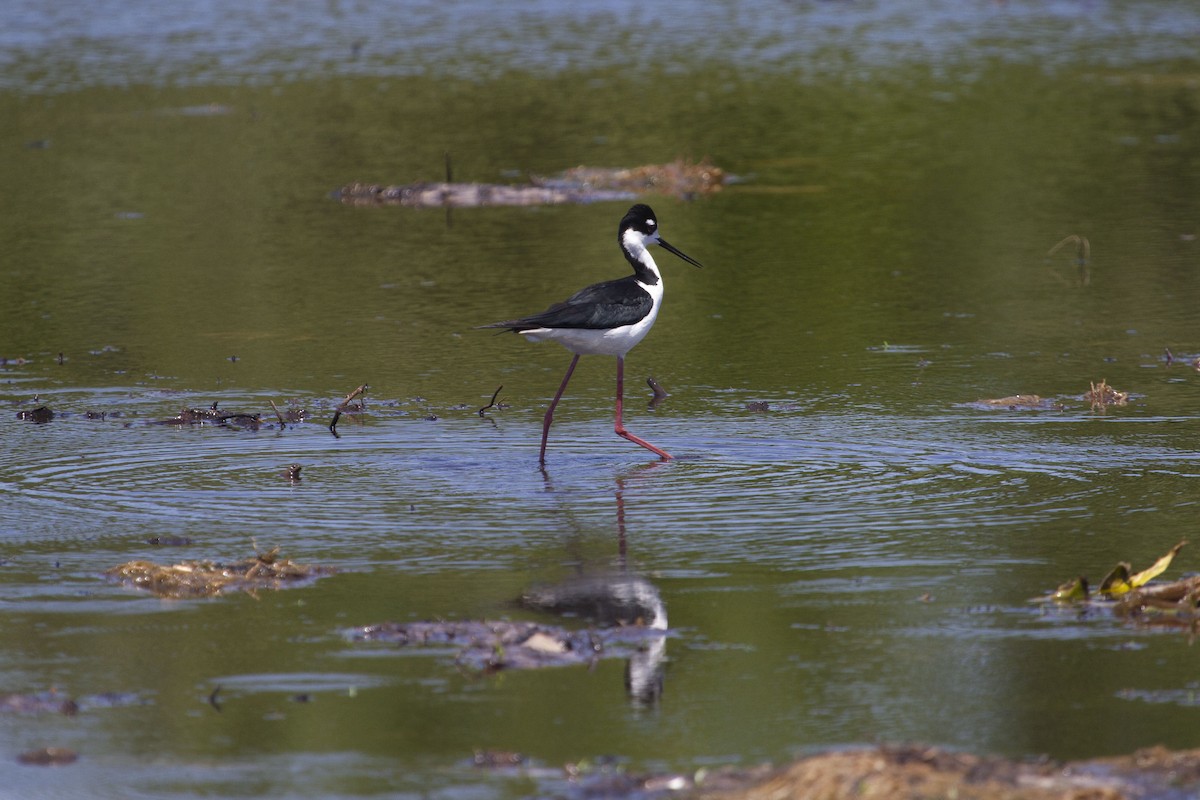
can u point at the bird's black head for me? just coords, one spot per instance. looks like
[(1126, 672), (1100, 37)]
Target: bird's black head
[(639, 230), (639, 218)]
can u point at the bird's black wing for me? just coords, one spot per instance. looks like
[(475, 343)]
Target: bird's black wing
[(602, 305)]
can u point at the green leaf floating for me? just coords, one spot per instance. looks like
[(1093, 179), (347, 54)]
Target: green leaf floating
[(1119, 581), (1072, 591)]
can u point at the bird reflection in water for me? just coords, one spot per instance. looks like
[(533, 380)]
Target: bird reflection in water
[(615, 597)]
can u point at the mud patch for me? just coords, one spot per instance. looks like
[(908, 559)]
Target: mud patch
[(680, 178), (208, 578), (491, 646)]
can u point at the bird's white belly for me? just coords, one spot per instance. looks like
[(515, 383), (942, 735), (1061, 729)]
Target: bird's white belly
[(597, 342)]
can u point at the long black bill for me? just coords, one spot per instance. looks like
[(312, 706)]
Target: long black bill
[(671, 249)]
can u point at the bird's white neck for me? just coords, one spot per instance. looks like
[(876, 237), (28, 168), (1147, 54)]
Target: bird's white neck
[(638, 255)]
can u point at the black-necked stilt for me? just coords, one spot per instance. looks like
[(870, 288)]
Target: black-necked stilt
[(606, 318)]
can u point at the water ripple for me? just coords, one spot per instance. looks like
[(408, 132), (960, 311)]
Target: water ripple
[(44, 47), (462, 490)]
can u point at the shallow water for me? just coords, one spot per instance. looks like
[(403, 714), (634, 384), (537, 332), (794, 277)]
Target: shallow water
[(855, 563)]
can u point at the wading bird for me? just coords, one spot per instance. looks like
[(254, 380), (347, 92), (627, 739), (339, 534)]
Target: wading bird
[(606, 318)]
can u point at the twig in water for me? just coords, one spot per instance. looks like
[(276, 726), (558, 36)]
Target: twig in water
[(345, 406), (660, 393), (282, 424), (346, 403), (492, 404)]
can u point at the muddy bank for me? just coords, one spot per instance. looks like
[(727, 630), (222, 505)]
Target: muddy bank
[(899, 772), (912, 772)]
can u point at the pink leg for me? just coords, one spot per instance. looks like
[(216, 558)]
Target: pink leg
[(620, 427), (553, 404)]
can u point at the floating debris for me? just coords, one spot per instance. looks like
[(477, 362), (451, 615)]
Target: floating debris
[(679, 177), (1132, 595), (660, 394), (48, 757), (1118, 581), (39, 703), (293, 415), (1016, 401), (40, 415), (497, 759), (169, 541), (1101, 395), (188, 416), (492, 403), (209, 578), (211, 416), (765, 406), (468, 195), (347, 406), (491, 646), (575, 185)]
